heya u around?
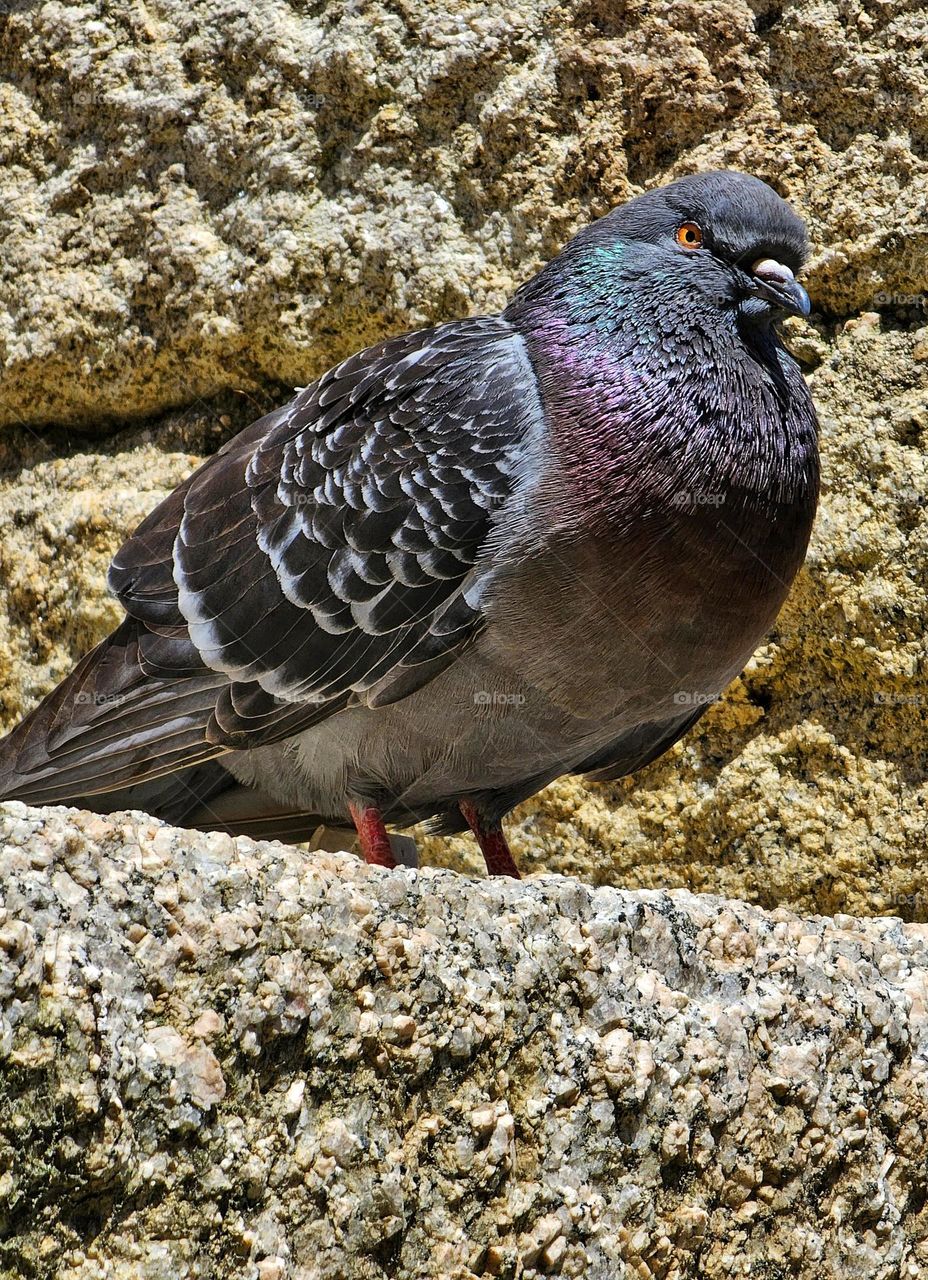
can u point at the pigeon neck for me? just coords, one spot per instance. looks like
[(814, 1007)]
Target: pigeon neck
[(640, 431)]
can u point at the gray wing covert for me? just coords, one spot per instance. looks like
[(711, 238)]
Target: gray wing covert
[(327, 562), (320, 558)]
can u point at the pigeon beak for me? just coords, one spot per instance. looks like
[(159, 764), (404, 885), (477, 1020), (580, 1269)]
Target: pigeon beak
[(775, 283)]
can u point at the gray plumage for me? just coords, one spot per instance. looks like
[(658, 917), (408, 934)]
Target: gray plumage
[(471, 559)]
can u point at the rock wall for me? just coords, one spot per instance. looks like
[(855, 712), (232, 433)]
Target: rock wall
[(205, 204), (204, 193), (224, 1059)]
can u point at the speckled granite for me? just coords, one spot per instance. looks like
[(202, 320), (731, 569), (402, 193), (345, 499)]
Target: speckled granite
[(227, 1059)]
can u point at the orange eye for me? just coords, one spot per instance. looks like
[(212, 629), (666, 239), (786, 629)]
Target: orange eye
[(689, 235)]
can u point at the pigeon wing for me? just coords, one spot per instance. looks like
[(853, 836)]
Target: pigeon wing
[(320, 559), (326, 562)]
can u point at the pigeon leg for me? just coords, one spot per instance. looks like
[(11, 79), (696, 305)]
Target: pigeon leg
[(493, 846), (372, 835)]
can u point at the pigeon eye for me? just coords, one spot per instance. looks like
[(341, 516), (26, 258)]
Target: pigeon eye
[(689, 235)]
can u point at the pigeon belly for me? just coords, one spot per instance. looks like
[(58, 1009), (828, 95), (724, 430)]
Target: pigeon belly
[(545, 687), (609, 604), (478, 725)]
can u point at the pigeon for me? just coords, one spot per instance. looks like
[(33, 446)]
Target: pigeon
[(467, 560)]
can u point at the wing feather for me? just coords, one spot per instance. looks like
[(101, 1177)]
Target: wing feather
[(335, 548), (324, 557)]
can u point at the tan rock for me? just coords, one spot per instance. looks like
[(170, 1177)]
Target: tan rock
[(212, 195)]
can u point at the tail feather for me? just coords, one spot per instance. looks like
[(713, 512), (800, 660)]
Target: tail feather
[(241, 810), (207, 798), (173, 797), (109, 725), (115, 735)]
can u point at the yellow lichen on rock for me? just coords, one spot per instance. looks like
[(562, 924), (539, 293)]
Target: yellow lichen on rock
[(217, 197)]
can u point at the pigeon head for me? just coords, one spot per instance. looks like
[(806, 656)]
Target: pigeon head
[(728, 234), (714, 246)]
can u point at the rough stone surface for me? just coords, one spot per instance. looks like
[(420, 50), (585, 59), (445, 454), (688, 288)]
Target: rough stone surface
[(221, 1059), (211, 197), (227, 1059), (205, 193)]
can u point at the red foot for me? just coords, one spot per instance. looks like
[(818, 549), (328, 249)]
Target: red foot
[(372, 835), (493, 846)]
